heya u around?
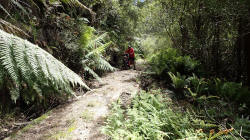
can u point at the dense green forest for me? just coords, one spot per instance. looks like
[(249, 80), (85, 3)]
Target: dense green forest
[(197, 51)]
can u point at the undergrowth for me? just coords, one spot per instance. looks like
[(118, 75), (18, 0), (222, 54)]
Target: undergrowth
[(154, 117), (171, 60)]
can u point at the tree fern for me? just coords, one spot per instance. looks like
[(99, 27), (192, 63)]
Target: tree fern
[(96, 62), (27, 64), (99, 50), (93, 61), (97, 40), (90, 71), (102, 64)]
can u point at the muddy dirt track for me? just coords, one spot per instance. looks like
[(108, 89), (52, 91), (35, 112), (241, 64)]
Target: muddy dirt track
[(83, 118)]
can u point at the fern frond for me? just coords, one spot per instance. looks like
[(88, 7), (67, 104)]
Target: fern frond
[(1, 7), (95, 46), (99, 50), (21, 61), (14, 94), (15, 2), (90, 71), (97, 41), (26, 63), (102, 64), (7, 59)]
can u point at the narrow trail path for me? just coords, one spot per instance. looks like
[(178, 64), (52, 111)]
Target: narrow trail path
[(82, 119)]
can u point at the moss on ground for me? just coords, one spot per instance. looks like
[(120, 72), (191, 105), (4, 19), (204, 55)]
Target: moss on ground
[(32, 124), (65, 134)]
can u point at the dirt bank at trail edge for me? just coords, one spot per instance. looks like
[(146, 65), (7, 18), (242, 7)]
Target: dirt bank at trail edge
[(83, 118)]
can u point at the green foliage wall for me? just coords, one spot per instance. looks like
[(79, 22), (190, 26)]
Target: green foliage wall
[(170, 60), (214, 32)]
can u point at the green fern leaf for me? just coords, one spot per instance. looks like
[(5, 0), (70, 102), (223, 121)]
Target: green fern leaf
[(7, 58), (102, 64), (94, 61), (98, 50), (14, 94), (26, 63), (88, 69)]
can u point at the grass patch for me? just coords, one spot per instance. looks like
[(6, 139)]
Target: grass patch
[(64, 134), (36, 121)]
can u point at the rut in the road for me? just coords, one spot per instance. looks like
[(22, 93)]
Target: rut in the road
[(82, 119)]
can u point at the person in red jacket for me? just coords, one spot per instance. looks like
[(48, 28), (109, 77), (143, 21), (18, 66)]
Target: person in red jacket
[(131, 53)]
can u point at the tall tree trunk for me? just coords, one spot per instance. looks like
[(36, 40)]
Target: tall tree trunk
[(184, 33), (248, 60), (247, 45), (238, 49), (5, 102), (216, 45), (217, 48)]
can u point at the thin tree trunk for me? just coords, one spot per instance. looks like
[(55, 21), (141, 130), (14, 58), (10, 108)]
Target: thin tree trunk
[(238, 48), (216, 45), (247, 54), (184, 33), (248, 60), (245, 35)]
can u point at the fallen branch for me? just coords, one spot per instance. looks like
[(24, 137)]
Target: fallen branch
[(10, 28)]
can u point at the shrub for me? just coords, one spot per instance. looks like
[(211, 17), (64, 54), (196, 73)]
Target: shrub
[(196, 87), (179, 83), (243, 124), (192, 86), (232, 91), (170, 60)]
